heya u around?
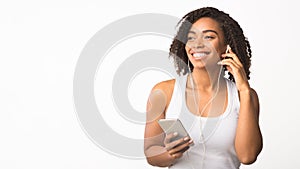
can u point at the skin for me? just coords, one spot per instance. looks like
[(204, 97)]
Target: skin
[(204, 36)]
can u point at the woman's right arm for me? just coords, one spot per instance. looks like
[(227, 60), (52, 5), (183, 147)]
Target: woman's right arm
[(158, 149)]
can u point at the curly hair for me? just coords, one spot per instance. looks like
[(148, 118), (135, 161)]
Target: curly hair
[(233, 35)]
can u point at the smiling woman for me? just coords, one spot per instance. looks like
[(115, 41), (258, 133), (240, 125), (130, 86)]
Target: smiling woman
[(221, 114), (204, 38)]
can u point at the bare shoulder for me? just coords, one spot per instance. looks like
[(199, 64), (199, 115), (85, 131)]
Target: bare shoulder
[(166, 86)]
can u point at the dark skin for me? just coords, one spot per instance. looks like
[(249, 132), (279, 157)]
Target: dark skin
[(158, 148), (204, 48)]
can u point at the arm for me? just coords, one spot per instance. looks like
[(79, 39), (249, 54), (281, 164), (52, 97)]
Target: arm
[(158, 149), (248, 140), (155, 151)]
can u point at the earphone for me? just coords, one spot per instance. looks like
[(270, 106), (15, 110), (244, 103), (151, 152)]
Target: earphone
[(227, 49), (197, 107)]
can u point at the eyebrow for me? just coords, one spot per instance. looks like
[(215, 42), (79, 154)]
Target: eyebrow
[(205, 31)]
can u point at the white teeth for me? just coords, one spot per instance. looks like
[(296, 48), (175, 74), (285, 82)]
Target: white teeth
[(199, 54)]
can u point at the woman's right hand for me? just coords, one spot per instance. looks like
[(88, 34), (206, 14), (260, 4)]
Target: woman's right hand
[(176, 148)]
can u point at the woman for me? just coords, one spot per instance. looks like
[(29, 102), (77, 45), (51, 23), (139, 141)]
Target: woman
[(221, 112)]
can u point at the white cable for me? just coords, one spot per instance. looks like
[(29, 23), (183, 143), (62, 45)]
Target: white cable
[(197, 108)]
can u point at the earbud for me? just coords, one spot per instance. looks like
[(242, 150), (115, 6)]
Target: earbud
[(227, 49)]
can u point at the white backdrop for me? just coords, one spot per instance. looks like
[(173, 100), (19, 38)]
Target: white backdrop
[(42, 40)]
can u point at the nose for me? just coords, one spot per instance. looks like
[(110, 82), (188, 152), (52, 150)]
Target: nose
[(198, 43)]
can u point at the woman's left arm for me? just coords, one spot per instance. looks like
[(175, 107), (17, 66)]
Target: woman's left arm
[(248, 140)]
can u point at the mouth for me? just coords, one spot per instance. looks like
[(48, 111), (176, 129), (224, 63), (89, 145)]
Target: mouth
[(199, 55)]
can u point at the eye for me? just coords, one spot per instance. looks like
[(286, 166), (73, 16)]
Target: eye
[(209, 37), (190, 38)]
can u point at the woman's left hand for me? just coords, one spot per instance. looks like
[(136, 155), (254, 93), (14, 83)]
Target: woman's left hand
[(235, 67)]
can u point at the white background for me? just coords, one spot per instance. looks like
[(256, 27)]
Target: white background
[(40, 42)]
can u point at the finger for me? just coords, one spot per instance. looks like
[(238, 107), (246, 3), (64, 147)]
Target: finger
[(229, 49), (233, 57), (237, 71), (177, 155), (229, 62), (176, 143), (181, 146), (169, 137), (168, 144), (231, 66)]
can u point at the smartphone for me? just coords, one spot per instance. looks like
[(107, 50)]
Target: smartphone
[(172, 126)]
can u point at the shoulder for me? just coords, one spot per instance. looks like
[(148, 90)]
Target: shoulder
[(166, 87)]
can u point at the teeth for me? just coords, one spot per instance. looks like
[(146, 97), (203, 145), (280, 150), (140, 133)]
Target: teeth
[(199, 54)]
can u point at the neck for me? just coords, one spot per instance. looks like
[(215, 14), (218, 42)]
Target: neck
[(206, 79)]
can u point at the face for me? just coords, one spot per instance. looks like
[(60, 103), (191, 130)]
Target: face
[(205, 43)]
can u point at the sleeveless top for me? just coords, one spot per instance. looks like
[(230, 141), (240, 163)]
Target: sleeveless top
[(215, 150)]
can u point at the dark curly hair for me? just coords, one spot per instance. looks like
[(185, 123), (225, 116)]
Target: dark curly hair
[(233, 35)]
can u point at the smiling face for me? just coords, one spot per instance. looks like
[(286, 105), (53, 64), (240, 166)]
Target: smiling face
[(205, 43)]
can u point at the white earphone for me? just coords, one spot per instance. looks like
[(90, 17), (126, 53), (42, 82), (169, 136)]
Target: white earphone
[(197, 107)]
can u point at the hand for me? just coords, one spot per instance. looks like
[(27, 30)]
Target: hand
[(235, 67), (178, 147)]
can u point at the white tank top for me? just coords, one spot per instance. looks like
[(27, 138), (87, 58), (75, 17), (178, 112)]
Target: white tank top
[(219, 132)]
